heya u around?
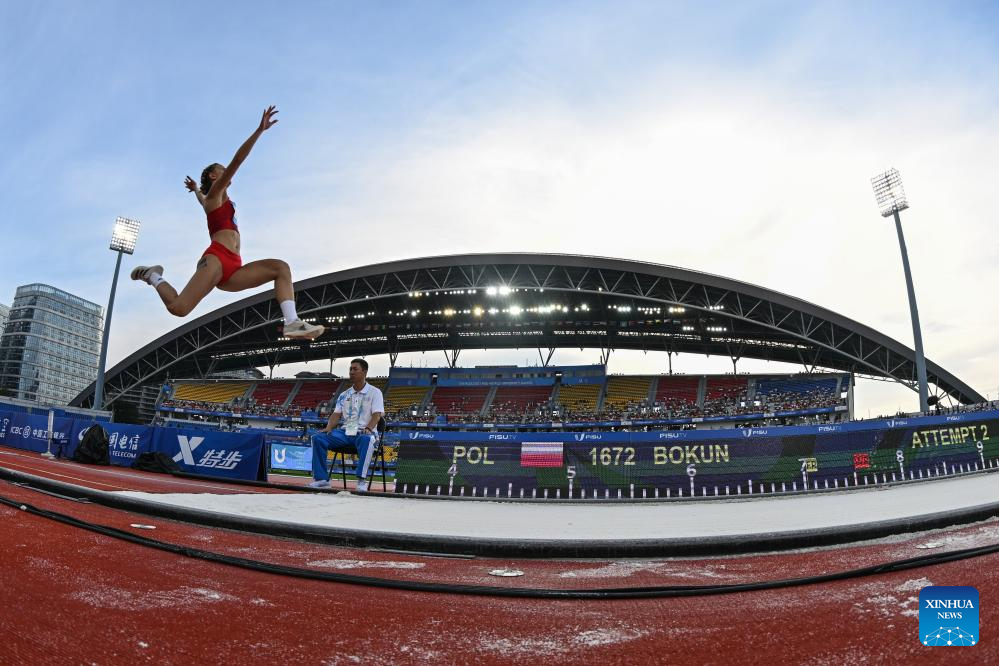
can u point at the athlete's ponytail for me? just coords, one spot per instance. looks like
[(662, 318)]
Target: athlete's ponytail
[(206, 182)]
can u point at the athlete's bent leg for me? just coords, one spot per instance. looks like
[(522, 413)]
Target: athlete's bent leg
[(263, 271), (207, 275)]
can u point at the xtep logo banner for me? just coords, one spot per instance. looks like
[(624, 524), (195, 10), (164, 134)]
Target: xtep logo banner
[(187, 446), (948, 615)]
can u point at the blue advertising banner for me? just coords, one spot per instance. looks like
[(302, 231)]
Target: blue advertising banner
[(229, 455), (125, 442), (21, 430), (497, 381), (224, 454), (290, 457), (419, 381)]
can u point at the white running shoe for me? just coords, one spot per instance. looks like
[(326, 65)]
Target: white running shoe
[(362, 486), (319, 483), (303, 331), (143, 272)]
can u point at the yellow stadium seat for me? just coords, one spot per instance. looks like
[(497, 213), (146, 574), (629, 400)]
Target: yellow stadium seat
[(220, 393)]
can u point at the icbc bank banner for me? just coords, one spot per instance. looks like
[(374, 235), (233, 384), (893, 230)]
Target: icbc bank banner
[(704, 463)]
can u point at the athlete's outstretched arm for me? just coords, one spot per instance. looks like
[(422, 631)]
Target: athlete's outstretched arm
[(267, 120), (193, 187)]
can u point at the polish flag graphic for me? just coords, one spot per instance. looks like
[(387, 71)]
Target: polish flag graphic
[(541, 454)]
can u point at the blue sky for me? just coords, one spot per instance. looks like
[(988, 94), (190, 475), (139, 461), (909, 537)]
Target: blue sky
[(734, 138)]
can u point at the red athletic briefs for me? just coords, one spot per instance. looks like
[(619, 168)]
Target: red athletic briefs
[(231, 262)]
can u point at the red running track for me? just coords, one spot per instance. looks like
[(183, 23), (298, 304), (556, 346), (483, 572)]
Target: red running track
[(123, 478), (113, 479), (72, 596)]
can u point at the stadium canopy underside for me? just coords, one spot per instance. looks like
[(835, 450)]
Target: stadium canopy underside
[(531, 301)]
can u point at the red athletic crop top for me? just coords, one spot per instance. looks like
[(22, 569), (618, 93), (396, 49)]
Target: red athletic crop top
[(223, 217)]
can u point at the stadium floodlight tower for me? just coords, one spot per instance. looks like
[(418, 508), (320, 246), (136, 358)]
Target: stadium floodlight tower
[(891, 200), (123, 238)]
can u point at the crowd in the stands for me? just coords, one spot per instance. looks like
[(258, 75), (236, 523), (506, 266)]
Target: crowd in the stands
[(726, 402), (729, 404), (250, 407)]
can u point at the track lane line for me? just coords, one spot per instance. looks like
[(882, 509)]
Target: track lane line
[(65, 476), (33, 464)]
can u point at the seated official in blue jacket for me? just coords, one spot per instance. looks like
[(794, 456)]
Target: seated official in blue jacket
[(357, 412)]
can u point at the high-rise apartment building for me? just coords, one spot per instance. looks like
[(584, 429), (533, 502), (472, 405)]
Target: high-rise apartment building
[(51, 345), (4, 312)]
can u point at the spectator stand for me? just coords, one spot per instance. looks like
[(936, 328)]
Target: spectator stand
[(617, 402)]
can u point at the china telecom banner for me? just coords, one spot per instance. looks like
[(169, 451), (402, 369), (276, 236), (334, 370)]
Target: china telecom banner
[(224, 454), (21, 430), (125, 442), (735, 461)]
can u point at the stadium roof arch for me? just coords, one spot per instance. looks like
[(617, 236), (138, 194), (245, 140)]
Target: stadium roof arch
[(521, 300)]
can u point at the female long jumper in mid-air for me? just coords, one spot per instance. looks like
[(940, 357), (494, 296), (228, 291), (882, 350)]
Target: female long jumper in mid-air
[(220, 265)]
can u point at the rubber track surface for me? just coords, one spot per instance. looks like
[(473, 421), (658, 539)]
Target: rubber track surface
[(73, 596)]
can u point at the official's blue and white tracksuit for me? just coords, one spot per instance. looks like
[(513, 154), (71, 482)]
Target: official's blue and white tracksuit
[(338, 440), (357, 407)]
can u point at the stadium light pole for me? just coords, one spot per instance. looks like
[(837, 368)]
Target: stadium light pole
[(123, 238), (891, 200)]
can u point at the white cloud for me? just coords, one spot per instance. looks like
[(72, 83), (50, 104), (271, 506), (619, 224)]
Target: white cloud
[(750, 184)]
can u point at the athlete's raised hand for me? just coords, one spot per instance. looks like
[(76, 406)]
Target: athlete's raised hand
[(268, 120), (190, 184)]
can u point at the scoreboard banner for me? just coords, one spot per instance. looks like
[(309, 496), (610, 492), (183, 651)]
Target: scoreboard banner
[(678, 463)]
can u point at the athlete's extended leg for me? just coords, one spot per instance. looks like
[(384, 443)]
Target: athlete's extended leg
[(206, 276), (263, 271)]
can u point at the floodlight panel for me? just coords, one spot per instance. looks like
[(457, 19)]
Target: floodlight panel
[(125, 234), (889, 192)]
